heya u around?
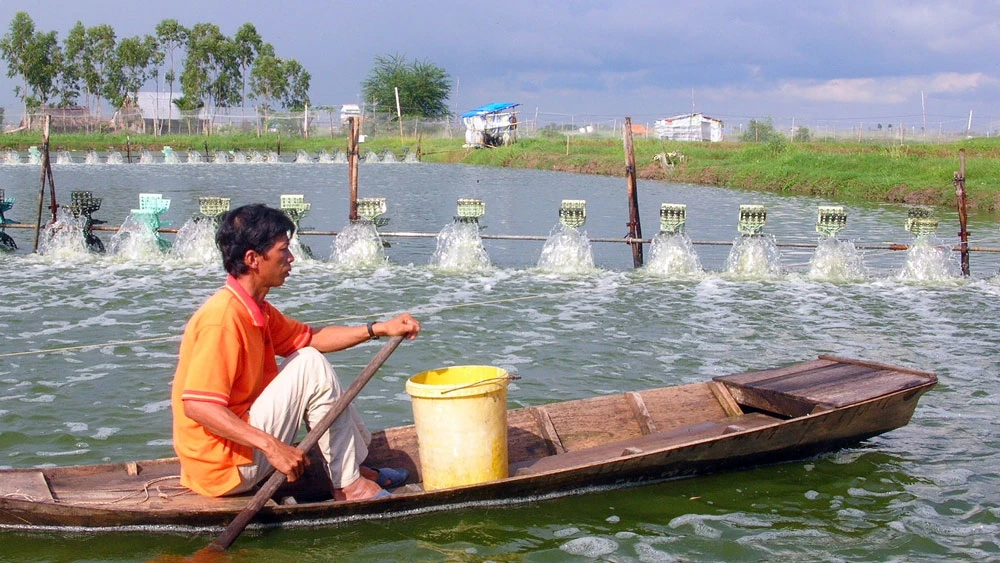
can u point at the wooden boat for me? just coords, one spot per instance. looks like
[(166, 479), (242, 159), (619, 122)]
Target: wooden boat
[(730, 422)]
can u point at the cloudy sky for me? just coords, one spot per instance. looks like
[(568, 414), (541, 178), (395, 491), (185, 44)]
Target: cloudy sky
[(825, 64)]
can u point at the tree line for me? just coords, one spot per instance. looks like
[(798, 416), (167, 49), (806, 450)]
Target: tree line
[(92, 66)]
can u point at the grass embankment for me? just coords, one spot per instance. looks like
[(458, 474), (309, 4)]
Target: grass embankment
[(849, 172)]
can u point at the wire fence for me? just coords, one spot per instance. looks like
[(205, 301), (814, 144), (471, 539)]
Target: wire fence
[(330, 121)]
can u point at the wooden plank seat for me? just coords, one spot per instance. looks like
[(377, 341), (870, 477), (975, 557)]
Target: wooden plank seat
[(29, 485), (643, 444), (827, 383)]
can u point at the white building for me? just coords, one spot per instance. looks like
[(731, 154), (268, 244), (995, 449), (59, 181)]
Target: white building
[(689, 127)]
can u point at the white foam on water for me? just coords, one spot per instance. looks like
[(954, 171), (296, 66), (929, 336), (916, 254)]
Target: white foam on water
[(135, 241), (103, 433), (837, 261), (460, 249), (155, 406), (566, 251), (754, 257), (358, 246), (927, 262), (590, 547), (63, 240), (566, 532), (673, 256), (649, 554), (195, 242)]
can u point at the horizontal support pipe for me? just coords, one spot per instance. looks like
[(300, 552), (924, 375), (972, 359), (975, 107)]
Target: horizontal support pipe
[(622, 240)]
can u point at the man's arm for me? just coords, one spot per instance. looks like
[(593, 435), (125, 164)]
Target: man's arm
[(335, 338), (221, 421)]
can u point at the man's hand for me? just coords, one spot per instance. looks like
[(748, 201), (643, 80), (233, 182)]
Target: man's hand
[(221, 421), (287, 459), (400, 325)]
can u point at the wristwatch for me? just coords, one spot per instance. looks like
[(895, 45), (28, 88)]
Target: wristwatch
[(371, 330)]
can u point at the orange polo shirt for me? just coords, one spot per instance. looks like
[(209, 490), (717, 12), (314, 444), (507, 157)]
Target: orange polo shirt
[(227, 357)]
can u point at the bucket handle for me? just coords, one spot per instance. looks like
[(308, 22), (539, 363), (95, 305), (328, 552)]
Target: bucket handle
[(507, 377)]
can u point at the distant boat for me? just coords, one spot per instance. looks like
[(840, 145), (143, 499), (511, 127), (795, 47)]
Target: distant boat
[(733, 421)]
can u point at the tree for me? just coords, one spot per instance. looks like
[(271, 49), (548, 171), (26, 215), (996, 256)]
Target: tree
[(171, 36), (423, 87), (34, 56), (297, 95), (274, 80), (759, 131), (71, 74), (132, 66), (246, 46), (98, 55), (210, 70), (802, 135)]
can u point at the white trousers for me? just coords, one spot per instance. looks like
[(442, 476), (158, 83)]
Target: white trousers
[(303, 391)]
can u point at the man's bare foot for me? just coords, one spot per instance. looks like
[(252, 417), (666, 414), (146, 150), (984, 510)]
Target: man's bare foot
[(360, 489)]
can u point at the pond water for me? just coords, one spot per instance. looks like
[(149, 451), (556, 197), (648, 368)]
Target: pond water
[(88, 345)]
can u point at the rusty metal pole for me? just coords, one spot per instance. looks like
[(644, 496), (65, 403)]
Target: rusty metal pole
[(963, 215), (634, 226), (352, 167)]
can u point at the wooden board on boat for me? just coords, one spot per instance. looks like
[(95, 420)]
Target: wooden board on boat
[(732, 421)]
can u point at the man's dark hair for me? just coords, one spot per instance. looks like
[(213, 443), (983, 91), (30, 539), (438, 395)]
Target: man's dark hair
[(250, 227)]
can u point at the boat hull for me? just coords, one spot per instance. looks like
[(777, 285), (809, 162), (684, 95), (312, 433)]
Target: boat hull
[(739, 426)]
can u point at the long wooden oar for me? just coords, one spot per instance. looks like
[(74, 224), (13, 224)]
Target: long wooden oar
[(277, 478)]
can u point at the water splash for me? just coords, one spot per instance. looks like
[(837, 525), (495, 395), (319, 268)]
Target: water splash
[(239, 157), (836, 260), (195, 242), (460, 248), (114, 157), (194, 157), (370, 157), (358, 246), (566, 251), (410, 157), (11, 156), (220, 157), (64, 238), (299, 249), (754, 257), (64, 157), (302, 157), (146, 157), (92, 157), (136, 240), (324, 157), (672, 255), (926, 262)]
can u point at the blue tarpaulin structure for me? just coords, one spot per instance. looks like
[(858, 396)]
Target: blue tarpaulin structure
[(491, 125), (489, 108)]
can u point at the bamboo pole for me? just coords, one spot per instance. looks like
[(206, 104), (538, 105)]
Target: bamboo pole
[(634, 226), (352, 168), (963, 215), (41, 187)]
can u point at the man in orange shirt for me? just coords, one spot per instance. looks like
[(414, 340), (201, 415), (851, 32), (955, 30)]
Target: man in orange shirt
[(235, 411)]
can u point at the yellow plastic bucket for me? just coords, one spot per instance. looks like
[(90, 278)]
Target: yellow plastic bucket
[(460, 414)]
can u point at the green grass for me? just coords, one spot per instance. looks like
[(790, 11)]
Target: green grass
[(848, 172)]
